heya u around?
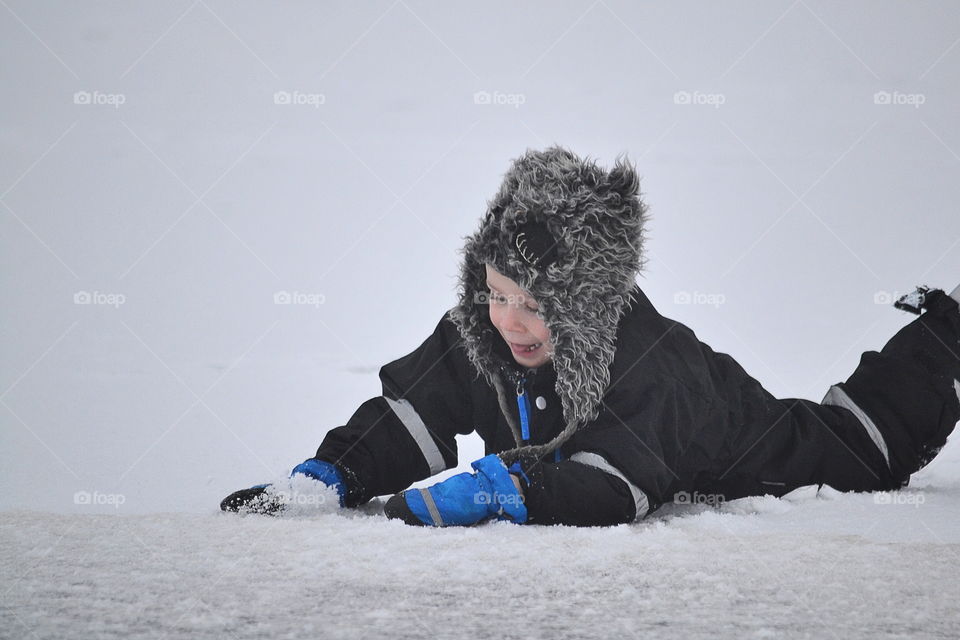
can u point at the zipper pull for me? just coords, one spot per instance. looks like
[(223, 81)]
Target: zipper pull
[(523, 406)]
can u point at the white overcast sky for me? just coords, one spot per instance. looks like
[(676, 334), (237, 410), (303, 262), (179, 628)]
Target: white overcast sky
[(179, 164)]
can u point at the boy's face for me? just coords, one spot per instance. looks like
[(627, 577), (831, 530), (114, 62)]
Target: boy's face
[(514, 313)]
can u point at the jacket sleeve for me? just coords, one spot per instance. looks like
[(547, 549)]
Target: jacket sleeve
[(584, 491), (409, 432), (717, 434)]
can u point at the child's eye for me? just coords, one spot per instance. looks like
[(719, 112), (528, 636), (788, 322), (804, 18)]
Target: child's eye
[(499, 298)]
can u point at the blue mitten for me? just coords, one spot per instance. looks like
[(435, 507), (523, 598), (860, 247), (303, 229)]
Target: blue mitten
[(322, 472), (463, 499)]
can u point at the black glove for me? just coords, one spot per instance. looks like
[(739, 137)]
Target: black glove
[(253, 500)]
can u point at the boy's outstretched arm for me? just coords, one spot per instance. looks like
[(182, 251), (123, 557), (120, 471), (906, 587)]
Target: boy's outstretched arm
[(392, 440), (409, 432)]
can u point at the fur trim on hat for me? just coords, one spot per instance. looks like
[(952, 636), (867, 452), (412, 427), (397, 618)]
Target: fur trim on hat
[(571, 234)]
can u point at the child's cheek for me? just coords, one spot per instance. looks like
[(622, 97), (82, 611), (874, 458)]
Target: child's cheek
[(495, 316)]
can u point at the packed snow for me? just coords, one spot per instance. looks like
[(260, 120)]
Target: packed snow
[(817, 564)]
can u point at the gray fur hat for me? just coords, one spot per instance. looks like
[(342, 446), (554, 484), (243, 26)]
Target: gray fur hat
[(571, 234)]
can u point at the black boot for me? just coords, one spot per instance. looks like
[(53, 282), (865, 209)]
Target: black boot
[(913, 301)]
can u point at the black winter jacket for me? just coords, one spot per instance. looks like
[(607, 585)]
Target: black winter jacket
[(678, 420)]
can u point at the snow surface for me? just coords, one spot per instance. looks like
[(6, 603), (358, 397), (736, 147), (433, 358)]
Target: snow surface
[(814, 564)]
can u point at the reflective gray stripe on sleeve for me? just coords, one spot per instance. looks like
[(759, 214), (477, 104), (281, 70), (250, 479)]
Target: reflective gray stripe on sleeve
[(411, 420), (956, 387), (839, 398), (431, 508), (598, 461)]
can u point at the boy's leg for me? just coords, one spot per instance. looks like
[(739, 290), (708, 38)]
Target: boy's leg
[(869, 433), (910, 391)]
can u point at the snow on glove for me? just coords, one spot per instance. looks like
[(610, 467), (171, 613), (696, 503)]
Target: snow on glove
[(463, 499), (322, 472), (267, 499)]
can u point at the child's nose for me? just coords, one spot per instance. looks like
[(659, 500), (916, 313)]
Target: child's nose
[(513, 318)]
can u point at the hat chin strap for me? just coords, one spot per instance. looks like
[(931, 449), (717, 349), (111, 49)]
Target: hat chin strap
[(512, 455)]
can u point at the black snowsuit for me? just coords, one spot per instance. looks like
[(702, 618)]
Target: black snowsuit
[(677, 418)]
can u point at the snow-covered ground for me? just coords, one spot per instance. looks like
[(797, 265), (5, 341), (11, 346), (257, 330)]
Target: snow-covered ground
[(203, 266), (150, 556), (824, 565)]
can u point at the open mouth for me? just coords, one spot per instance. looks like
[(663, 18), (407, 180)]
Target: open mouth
[(525, 349)]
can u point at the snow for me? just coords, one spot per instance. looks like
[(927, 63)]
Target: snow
[(817, 564), (913, 299)]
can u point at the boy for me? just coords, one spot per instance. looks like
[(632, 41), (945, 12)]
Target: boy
[(594, 408)]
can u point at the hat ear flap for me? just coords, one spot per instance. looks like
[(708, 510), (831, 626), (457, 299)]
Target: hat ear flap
[(623, 179)]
